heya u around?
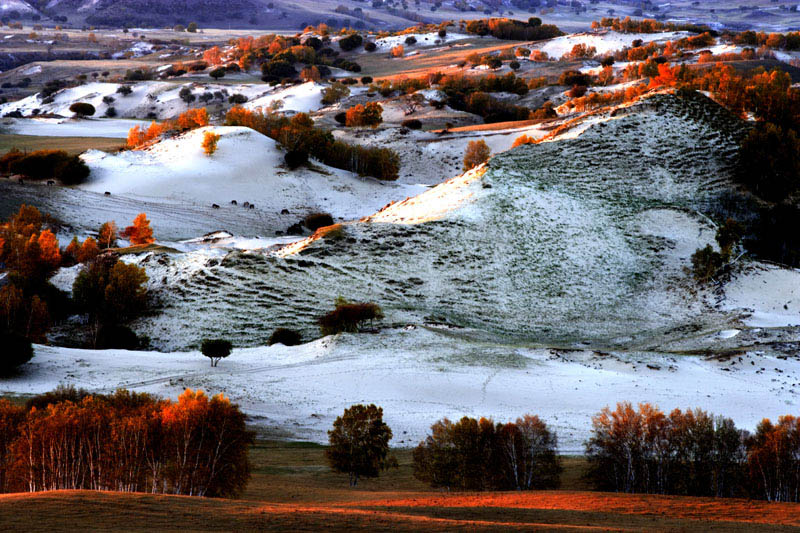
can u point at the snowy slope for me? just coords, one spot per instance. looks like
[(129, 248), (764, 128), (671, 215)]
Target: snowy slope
[(603, 42), (17, 5), (577, 242), (247, 166)]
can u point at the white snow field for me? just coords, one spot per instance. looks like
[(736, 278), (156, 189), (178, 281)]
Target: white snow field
[(604, 42), (420, 374), (247, 166)]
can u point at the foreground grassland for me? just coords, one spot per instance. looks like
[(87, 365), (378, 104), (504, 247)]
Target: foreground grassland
[(292, 488)]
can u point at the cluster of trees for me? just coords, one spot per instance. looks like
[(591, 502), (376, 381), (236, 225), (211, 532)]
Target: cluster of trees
[(476, 454), (278, 55), (693, 453), (45, 165), (629, 25), (785, 41), (516, 30), (470, 94), (349, 317), (370, 115), (109, 291), (298, 135), (188, 120), (126, 442)]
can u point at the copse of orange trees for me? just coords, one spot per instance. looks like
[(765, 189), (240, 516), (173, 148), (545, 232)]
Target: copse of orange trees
[(127, 442), (188, 120)]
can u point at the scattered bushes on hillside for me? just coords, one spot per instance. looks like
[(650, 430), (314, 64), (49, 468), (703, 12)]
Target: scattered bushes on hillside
[(46, 165), (478, 455), (359, 443), (351, 42), (523, 139), (216, 349), (188, 120), (127, 442), (349, 317), (285, 336), (477, 153)]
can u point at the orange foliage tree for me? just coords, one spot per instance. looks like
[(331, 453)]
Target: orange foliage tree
[(140, 232), (210, 140)]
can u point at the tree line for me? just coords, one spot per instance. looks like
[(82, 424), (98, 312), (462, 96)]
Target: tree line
[(128, 442), (633, 450)]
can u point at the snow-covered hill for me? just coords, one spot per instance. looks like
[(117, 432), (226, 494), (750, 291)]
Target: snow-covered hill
[(577, 242), (247, 167)]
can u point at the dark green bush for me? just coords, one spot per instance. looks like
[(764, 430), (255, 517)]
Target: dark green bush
[(351, 42), (285, 336), (83, 109), (117, 337)]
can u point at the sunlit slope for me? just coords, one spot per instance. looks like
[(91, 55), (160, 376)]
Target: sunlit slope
[(581, 241)]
